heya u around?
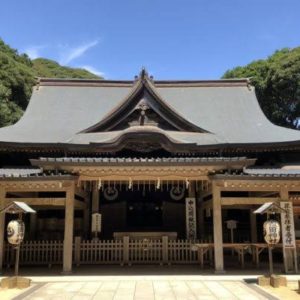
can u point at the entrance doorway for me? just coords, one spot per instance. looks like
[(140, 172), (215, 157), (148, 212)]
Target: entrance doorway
[(144, 210)]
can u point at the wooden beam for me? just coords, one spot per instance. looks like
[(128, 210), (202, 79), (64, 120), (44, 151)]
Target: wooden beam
[(145, 176), (247, 200), (82, 193), (39, 201), (33, 188)]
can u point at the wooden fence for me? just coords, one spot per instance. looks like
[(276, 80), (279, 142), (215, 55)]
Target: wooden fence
[(124, 251), (36, 253)]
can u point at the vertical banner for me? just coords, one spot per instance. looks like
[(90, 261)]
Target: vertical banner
[(287, 225), (190, 218), (96, 222)]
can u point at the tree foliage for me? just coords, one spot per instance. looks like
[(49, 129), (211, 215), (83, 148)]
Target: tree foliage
[(51, 69), (277, 83), (18, 75)]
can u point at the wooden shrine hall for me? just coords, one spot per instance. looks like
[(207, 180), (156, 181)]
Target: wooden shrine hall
[(148, 171)]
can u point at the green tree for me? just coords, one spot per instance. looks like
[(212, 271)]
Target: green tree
[(51, 69), (18, 75), (277, 83)]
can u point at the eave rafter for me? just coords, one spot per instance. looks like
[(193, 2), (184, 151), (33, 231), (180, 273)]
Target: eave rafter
[(120, 168), (255, 184)]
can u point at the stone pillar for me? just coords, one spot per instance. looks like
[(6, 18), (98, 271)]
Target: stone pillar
[(218, 234), (69, 227), (2, 227), (253, 226)]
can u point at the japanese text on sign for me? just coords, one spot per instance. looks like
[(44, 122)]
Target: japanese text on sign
[(191, 224), (287, 225), (96, 222)]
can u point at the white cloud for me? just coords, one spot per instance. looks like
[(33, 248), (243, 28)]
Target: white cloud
[(33, 51), (69, 54), (92, 70)]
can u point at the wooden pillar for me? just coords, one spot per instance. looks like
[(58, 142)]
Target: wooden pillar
[(192, 190), (95, 198), (218, 234), (86, 216), (32, 226), (253, 226), (2, 227), (95, 202), (201, 224), (69, 226)]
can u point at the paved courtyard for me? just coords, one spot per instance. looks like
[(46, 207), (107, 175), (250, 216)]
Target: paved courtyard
[(143, 283), (141, 288), (144, 289)]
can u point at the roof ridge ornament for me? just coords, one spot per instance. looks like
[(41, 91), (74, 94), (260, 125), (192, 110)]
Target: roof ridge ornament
[(143, 74)]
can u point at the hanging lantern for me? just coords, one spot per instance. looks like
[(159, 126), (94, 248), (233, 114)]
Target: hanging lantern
[(15, 232), (272, 232)]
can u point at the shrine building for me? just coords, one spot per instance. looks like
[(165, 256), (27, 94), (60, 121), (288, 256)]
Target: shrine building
[(148, 171)]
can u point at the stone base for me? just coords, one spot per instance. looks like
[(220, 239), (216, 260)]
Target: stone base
[(220, 272), (66, 273), (15, 282), (277, 281), (263, 280)]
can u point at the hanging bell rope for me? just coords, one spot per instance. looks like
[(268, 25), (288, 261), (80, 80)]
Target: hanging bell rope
[(130, 183), (99, 184), (158, 184), (187, 183)]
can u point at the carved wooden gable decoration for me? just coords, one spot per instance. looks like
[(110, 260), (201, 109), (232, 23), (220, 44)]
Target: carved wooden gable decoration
[(143, 107)]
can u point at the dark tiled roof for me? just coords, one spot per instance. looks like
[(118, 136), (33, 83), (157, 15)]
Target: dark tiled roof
[(60, 109), (30, 173), (129, 160), (19, 172), (253, 173), (272, 171)]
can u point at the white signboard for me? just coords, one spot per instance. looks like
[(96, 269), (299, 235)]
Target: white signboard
[(191, 222), (96, 222), (287, 225), (231, 224)]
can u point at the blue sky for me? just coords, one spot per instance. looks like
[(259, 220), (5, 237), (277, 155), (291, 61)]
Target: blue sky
[(173, 39)]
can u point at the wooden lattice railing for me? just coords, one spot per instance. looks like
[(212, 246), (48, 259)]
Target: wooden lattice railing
[(123, 251), (36, 253), (98, 252)]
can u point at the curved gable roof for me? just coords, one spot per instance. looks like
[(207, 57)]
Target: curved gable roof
[(225, 112)]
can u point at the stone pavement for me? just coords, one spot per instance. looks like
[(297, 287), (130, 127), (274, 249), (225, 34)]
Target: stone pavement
[(140, 288)]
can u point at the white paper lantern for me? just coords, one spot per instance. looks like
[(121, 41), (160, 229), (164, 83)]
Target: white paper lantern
[(15, 232), (272, 232)]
